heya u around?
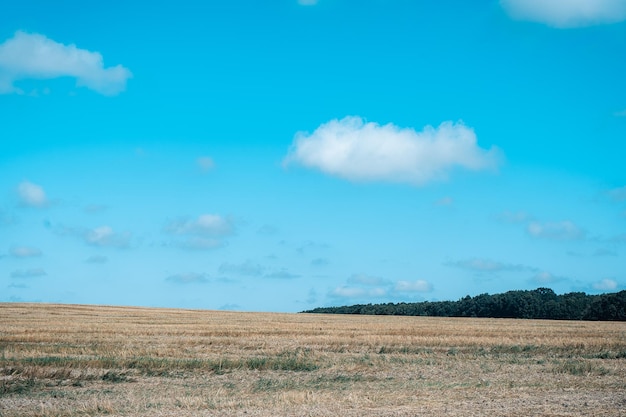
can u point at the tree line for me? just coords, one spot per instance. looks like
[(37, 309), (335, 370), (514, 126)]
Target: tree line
[(542, 303)]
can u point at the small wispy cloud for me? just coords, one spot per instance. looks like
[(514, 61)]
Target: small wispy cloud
[(604, 252), (364, 279), (101, 236), (204, 225), (307, 2), (487, 265), (205, 163), (267, 230), (97, 259), (545, 278), (230, 307), (32, 195), (105, 236), (514, 217), (28, 273), (188, 278), (205, 232), (606, 284), (320, 262), (281, 274), (564, 230), (567, 13), (95, 208), (357, 292), (356, 150), (620, 113), (25, 252), (34, 56), (247, 268), (444, 201), (413, 286)]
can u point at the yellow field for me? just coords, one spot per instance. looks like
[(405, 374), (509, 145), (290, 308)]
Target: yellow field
[(60, 360)]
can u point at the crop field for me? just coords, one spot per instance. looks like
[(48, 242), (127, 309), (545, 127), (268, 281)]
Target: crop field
[(69, 360)]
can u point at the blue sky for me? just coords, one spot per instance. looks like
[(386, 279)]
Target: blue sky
[(283, 155)]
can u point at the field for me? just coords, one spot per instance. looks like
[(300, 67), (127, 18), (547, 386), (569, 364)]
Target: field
[(62, 360)]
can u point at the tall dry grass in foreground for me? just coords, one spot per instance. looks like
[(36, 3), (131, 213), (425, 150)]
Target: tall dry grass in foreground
[(59, 360)]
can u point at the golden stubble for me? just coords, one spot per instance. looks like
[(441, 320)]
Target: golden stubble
[(62, 360)]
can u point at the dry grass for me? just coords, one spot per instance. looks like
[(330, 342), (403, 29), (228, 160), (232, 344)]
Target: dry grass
[(86, 361)]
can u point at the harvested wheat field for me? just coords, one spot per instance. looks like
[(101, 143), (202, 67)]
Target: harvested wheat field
[(65, 360)]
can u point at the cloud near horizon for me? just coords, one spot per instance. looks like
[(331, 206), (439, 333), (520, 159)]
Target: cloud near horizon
[(606, 284), (34, 56), (356, 150), (567, 13)]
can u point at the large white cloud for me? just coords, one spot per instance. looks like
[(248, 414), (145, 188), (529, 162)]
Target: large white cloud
[(567, 13), (353, 149), (34, 56)]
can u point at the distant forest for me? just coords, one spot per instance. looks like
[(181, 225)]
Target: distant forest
[(542, 303)]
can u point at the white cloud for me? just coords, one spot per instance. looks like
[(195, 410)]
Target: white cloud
[(247, 268), (620, 113), (31, 194), (188, 278), (205, 163), (28, 273), (567, 13), (544, 277), (356, 292), (355, 150), (34, 56), (565, 230), (413, 286), (104, 236), (605, 285), (25, 252), (307, 2), (204, 225)]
